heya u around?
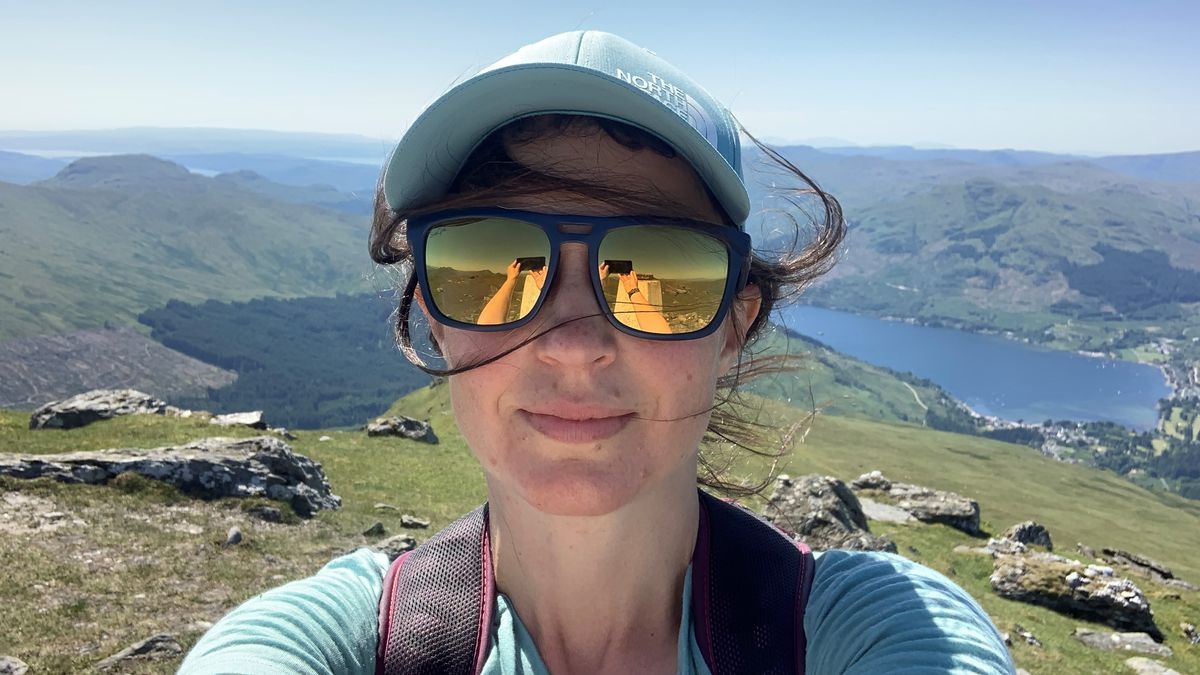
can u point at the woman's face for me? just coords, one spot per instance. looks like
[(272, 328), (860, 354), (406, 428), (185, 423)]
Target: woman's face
[(585, 418)]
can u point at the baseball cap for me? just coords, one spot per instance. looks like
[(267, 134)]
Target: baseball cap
[(584, 73)]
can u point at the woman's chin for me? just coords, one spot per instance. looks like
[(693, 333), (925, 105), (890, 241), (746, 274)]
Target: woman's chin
[(578, 489)]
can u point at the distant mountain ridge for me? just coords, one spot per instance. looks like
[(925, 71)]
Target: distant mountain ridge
[(110, 237)]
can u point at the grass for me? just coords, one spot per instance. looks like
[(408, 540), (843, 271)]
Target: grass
[(148, 560)]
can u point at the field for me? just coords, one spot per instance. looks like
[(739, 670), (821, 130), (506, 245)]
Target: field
[(130, 560)]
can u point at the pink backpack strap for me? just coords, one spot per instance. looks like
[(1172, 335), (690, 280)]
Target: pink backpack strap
[(750, 588), (438, 600)]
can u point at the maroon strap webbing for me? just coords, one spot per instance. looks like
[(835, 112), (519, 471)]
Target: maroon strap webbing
[(436, 608), (750, 585)]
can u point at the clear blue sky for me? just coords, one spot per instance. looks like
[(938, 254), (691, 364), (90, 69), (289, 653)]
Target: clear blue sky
[(1095, 77)]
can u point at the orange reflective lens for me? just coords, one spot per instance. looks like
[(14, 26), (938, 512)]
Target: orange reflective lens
[(654, 278)]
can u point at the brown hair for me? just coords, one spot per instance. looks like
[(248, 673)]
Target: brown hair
[(779, 274)]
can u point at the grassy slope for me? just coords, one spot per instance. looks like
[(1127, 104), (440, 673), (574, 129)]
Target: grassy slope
[(135, 543), (76, 257)]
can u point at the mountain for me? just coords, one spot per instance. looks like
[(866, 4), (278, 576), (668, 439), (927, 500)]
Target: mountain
[(963, 251), (24, 169), (316, 194), (162, 141), (983, 157), (110, 237), (1181, 167), (352, 177)]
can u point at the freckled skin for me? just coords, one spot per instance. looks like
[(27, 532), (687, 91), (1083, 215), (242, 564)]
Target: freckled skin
[(588, 361)]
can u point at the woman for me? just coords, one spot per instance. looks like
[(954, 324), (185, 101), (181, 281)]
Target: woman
[(574, 216)]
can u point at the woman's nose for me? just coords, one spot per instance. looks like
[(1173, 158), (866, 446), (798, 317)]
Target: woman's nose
[(578, 334)]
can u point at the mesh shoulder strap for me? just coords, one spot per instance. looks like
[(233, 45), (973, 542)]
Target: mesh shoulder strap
[(750, 585), (435, 613)]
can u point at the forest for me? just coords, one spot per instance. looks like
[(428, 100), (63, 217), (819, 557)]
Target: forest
[(307, 363)]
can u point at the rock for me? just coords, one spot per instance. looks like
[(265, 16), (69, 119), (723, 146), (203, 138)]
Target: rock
[(824, 513), (937, 506), (263, 466), (267, 514), (1022, 671), (1133, 642), (233, 538), (1180, 584), (884, 513), (376, 530), (395, 546), (386, 507), (282, 431), (1189, 633), (11, 665), (98, 404), (871, 481), (1144, 666), (1067, 587), (1085, 550), (1028, 636), (324, 438), (405, 427), (252, 419), (1030, 534), (160, 646), (413, 522), (1151, 568), (1003, 546)]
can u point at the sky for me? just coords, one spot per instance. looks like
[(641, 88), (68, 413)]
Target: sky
[(1098, 77)]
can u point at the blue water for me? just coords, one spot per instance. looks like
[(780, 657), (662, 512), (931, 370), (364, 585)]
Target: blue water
[(994, 375)]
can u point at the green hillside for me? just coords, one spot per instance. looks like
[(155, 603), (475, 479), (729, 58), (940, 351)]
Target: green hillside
[(110, 237), (149, 560), (982, 254), (836, 384)]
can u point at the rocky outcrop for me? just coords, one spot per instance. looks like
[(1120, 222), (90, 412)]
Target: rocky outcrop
[(1067, 586), (924, 504), (873, 480), (884, 513), (161, 646), (1190, 633), (1029, 533), (413, 522), (11, 665), (405, 427), (395, 546), (99, 404), (824, 513), (1130, 642), (210, 468), (938, 506), (252, 419), (1147, 567)]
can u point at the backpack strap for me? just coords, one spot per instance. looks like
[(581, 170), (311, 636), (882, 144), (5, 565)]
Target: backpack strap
[(435, 614), (750, 586)]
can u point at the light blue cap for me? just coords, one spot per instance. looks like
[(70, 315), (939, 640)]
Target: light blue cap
[(584, 73)]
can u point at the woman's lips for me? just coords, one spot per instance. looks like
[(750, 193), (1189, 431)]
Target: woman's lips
[(576, 431)]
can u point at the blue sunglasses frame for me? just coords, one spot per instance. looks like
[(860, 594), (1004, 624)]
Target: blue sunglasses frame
[(590, 230)]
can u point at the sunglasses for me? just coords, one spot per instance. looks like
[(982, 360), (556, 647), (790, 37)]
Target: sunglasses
[(489, 269)]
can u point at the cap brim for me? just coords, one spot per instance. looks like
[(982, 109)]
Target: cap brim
[(432, 151)]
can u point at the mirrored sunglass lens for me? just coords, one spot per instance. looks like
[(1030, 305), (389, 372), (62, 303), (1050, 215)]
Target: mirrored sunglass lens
[(679, 274), (486, 270)]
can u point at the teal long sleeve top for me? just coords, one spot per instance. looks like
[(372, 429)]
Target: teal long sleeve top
[(867, 613)]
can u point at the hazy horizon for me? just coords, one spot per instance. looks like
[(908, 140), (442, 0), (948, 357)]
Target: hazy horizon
[(1092, 78), (8, 135)]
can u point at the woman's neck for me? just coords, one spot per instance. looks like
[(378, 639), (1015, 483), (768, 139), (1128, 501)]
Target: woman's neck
[(599, 593)]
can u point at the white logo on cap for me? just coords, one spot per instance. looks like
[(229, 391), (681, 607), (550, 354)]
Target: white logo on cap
[(679, 101)]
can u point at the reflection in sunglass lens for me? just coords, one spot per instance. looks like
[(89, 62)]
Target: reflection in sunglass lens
[(679, 275), (486, 270)]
